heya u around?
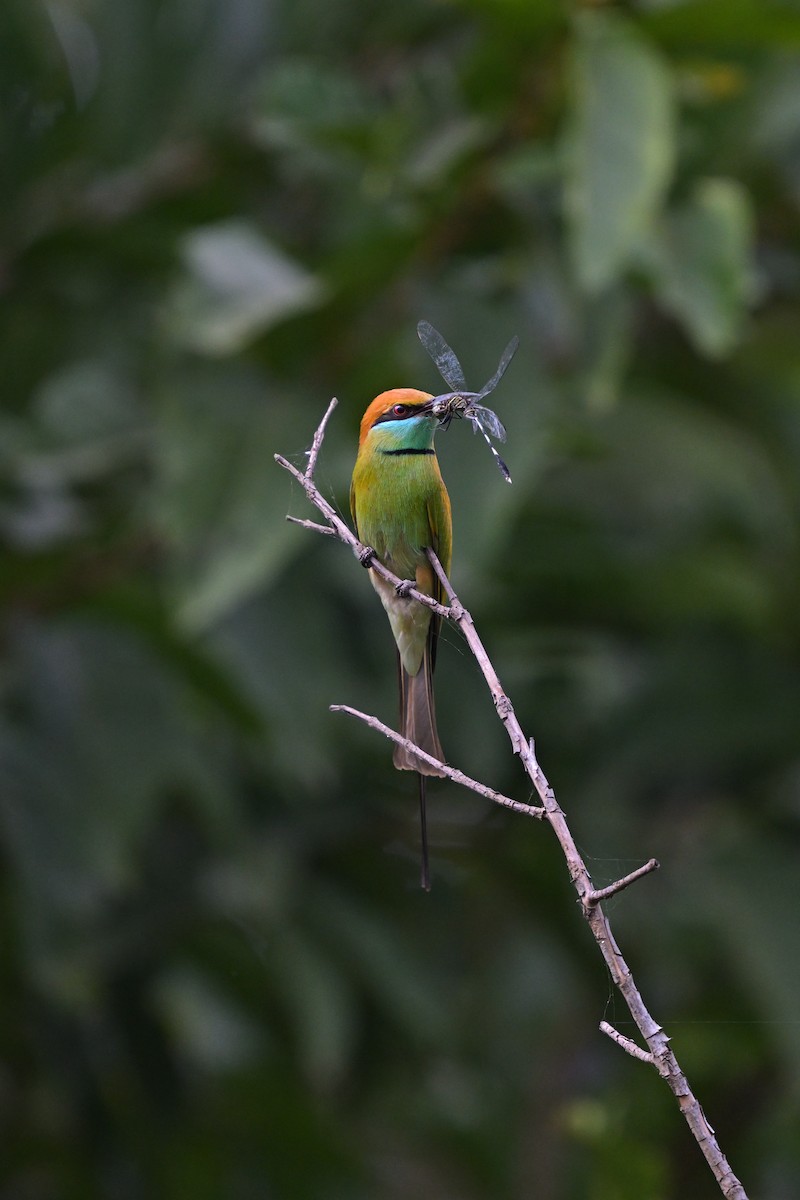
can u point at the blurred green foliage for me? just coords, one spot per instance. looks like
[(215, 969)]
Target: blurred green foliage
[(218, 976)]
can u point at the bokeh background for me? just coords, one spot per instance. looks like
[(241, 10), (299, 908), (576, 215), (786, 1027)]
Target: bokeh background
[(219, 977)]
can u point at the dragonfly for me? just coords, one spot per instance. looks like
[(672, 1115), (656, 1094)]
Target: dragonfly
[(460, 402)]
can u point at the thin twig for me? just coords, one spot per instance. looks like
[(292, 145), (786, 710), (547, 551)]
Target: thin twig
[(660, 1051), (313, 453), (529, 810), (627, 1045), (594, 897), (313, 525)]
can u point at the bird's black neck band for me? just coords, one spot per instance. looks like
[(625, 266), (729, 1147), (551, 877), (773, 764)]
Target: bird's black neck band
[(410, 450)]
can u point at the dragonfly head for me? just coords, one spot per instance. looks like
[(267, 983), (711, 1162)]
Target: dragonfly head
[(451, 404)]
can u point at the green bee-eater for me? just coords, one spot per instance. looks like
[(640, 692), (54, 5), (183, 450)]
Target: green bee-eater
[(400, 507)]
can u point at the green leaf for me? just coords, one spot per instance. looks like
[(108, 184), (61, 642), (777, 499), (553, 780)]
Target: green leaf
[(84, 402), (204, 1023), (446, 148), (723, 23), (319, 1005), (749, 882), (396, 979), (699, 263), (81, 781), (236, 286), (620, 145), (217, 499)]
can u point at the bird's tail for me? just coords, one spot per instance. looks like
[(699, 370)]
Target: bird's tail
[(418, 724), (418, 717)]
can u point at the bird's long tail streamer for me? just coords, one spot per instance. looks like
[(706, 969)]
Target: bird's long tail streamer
[(425, 877)]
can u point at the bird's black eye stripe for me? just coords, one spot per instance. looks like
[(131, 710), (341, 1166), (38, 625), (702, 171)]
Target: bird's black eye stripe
[(399, 412)]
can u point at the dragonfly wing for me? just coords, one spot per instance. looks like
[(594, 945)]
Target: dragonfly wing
[(444, 356), (489, 421), (502, 367)]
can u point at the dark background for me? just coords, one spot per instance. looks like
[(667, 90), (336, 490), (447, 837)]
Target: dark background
[(219, 976)]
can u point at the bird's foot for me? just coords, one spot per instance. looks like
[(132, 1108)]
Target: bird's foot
[(404, 586), (366, 556)]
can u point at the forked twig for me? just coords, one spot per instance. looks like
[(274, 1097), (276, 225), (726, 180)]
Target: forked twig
[(364, 554), (659, 1052), (529, 810)]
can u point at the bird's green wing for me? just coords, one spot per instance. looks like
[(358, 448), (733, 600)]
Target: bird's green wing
[(441, 526), (353, 508)]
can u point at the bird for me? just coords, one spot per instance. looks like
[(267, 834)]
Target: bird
[(400, 508)]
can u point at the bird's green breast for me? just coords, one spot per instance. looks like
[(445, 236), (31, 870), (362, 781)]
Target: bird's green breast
[(392, 500)]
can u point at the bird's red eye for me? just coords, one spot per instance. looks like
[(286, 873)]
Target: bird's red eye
[(400, 410)]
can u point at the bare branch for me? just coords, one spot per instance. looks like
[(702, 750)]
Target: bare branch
[(627, 1045), (594, 897), (529, 810), (659, 1050)]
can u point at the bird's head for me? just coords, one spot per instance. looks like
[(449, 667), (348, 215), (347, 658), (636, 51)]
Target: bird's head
[(402, 417)]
